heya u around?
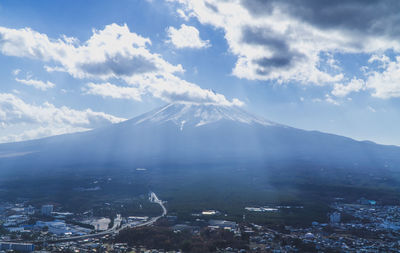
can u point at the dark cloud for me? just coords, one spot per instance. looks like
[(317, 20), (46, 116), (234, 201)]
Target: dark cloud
[(259, 7), (264, 37), (120, 65), (369, 17), (276, 62), (283, 56), (211, 6), (267, 64)]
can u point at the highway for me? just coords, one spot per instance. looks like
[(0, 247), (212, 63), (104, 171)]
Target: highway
[(154, 199), (117, 224)]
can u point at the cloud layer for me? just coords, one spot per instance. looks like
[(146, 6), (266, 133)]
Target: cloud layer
[(46, 119), (284, 41), (382, 80), (113, 91), (112, 53), (385, 82)]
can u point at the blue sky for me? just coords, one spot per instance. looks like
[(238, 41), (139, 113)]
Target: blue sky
[(71, 66)]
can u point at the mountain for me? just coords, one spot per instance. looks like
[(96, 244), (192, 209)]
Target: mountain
[(195, 115), (188, 133)]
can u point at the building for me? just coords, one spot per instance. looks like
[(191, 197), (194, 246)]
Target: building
[(30, 210), (229, 225), (60, 228), (172, 219), (334, 217), (364, 201), (16, 229), (47, 210), (309, 236), (209, 212), (19, 247), (15, 220), (185, 227)]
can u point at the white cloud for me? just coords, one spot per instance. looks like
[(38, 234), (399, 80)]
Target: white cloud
[(167, 88), (16, 72), (331, 100), (327, 99), (113, 91), (284, 40), (385, 83), (114, 52), (171, 88), (332, 62), (40, 132), (37, 84), (371, 109), (24, 121), (383, 59), (355, 85), (182, 14), (382, 80), (186, 37)]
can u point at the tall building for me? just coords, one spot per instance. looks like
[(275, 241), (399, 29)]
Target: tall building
[(29, 210), (334, 217), (47, 210)]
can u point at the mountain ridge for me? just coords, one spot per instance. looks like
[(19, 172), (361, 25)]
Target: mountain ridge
[(137, 120), (196, 114), (182, 133)]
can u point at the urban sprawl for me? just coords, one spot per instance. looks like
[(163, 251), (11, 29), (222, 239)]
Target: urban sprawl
[(363, 226)]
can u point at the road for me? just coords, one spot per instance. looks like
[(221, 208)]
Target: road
[(117, 224), (154, 199)]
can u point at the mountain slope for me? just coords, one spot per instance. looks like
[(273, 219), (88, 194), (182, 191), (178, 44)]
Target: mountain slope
[(182, 133), (197, 115)]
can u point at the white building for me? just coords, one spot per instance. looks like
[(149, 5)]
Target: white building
[(30, 210), (14, 220), (334, 217), (47, 210)]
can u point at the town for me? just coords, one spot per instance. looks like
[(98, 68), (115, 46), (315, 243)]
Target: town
[(363, 226)]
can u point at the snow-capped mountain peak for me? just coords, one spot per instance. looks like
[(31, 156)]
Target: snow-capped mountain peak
[(194, 114)]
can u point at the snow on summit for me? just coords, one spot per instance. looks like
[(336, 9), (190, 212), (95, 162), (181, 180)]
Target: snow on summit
[(195, 114)]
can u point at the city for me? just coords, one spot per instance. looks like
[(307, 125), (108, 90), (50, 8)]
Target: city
[(364, 226)]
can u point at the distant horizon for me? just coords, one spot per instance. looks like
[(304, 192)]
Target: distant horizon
[(208, 104)]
